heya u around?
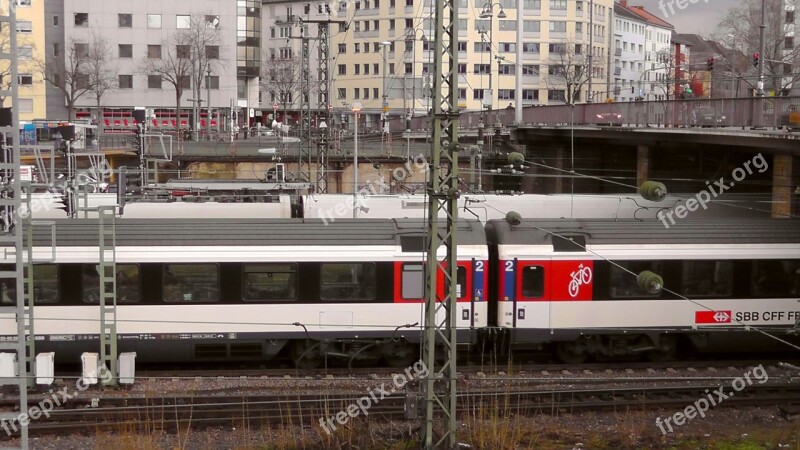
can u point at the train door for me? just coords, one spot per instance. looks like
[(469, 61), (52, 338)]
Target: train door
[(530, 290)]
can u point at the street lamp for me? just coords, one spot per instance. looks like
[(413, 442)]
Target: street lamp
[(356, 108), (487, 13)]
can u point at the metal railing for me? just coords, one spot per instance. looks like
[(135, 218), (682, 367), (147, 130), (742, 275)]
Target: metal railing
[(761, 112)]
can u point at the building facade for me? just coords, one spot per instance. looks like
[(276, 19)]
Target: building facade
[(137, 34), (30, 41), (384, 48)]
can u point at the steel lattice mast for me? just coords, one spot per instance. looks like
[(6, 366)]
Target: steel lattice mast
[(440, 317)]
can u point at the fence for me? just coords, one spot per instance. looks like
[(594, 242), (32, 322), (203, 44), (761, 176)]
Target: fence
[(762, 112)]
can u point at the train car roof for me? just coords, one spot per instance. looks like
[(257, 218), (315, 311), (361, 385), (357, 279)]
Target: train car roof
[(253, 232), (600, 232)]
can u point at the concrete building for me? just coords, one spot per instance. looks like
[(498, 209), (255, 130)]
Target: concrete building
[(30, 41), (140, 31), (555, 35), (643, 43)]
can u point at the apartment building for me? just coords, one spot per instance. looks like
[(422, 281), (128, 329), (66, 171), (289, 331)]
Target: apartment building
[(30, 42), (384, 47), (642, 54), (136, 32)]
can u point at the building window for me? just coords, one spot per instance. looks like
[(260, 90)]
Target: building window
[(531, 26), (81, 50), (366, 93), (789, 16), (125, 51), (558, 4), (409, 23), (531, 4), (190, 283), (530, 47), (342, 48), (481, 47), (341, 93), (508, 25), (212, 51), (357, 48), (347, 281), (376, 47), (462, 46), (477, 94), (375, 93), (212, 22), (154, 51), (125, 20), (506, 94), (507, 69), (530, 69), (366, 69), (556, 70), (56, 21), (789, 43), (391, 68), (154, 21), (269, 282), (480, 69), (376, 68), (183, 22), (23, 2), (154, 81), (24, 26), (126, 81), (212, 82), (508, 47), (408, 68), (462, 69), (182, 51), (558, 49), (56, 49), (357, 93), (530, 94), (462, 93), (558, 26), (357, 69), (81, 19)]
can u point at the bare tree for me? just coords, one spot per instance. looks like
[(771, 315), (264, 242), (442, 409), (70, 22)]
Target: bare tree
[(173, 66), (187, 57), (102, 76), (69, 74), (281, 77), (570, 72), (781, 53)]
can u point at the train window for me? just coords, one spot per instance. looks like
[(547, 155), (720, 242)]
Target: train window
[(707, 279), (569, 243), (269, 282), (191, 283), (623, 283), (128, 288), (45, 285), (413, 281), (347, 281), (461, 282), (776, 278), (8, 287), (533, 281)]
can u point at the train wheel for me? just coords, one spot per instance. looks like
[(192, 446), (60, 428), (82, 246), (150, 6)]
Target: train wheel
[(307, 355), (569, 353), (400, 354), (668, 348)]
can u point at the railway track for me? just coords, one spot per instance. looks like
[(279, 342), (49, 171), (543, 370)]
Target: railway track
[(169, 412)]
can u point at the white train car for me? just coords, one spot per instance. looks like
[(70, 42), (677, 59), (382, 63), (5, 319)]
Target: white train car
[(574, 284), (208, 289), (485, 207)]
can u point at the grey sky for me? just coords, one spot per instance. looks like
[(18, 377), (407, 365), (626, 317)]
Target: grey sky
[(698, 18)]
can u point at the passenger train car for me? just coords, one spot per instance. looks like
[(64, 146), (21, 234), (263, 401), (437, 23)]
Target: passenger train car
[(574, 283), (248, 289), (216, 289)]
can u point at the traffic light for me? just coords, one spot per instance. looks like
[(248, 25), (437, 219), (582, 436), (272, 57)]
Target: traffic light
[(710, 64), (755, 59)]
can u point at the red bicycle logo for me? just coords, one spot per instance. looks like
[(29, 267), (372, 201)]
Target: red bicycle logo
[(579, 277)]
